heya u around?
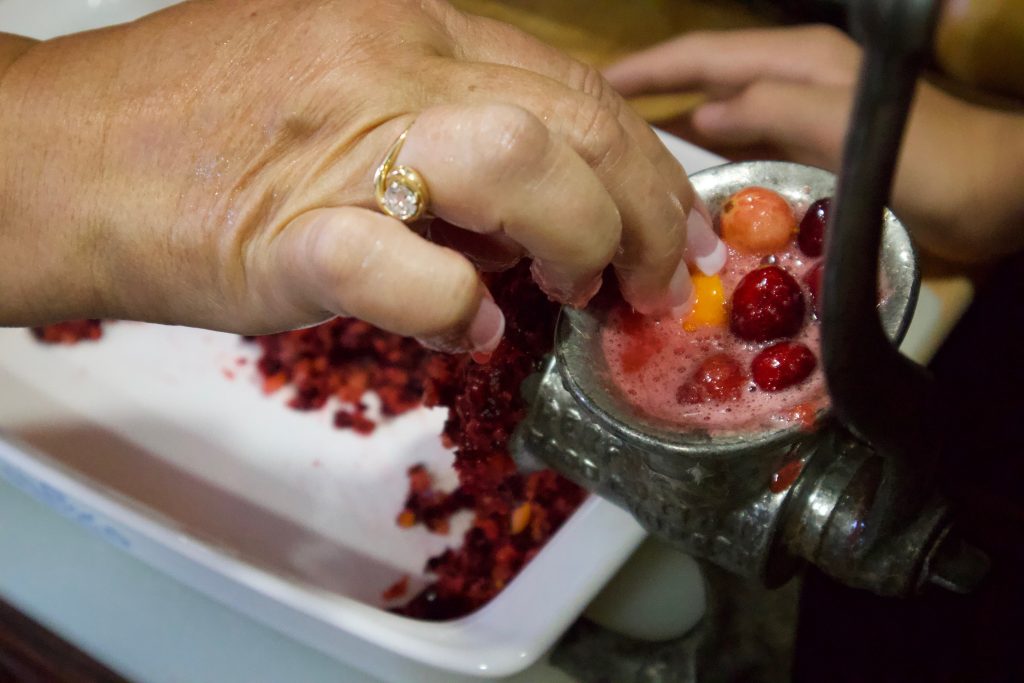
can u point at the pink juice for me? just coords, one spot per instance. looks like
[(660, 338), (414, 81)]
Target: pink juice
[(651, 358)]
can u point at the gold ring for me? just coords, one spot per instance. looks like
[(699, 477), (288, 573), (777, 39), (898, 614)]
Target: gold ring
[(401, 192)]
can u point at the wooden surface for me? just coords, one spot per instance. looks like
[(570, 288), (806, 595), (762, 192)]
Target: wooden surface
[(31, 654), (600, 31)]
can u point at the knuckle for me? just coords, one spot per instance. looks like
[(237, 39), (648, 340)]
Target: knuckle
[(600, 135), (452, 22), (589, 81), (516, 138), (435, 8)]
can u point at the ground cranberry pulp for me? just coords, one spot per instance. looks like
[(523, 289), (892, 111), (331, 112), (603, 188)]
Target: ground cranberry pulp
[(703, 377)]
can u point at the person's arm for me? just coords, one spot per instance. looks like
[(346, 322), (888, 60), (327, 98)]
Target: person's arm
[(212, 165), (12, 47), (788, 93), (46, 273)]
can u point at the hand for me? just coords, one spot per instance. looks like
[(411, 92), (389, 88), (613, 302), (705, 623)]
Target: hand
[(788, 93), (212, 165)]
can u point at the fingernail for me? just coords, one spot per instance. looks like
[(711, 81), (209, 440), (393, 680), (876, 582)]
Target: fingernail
[(487, 328), (703, 247)]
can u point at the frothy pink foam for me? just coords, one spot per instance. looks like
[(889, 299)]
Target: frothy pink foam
[(650, 359)]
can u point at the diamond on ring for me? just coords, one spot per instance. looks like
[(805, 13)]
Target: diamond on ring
[(401, 191)]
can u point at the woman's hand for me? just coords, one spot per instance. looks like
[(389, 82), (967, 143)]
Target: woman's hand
[(212, 165), (788, 93)]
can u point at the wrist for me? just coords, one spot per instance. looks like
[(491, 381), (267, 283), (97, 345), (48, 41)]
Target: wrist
[(51, 239)]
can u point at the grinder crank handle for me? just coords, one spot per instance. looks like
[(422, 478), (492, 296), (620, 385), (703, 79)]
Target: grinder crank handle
[(882, 396)]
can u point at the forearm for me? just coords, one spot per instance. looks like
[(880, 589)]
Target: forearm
[(51, 132), (12, 47), (959, 178)]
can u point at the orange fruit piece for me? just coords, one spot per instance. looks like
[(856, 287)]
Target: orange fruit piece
[(709, 303), (521, 518), (757, 220)]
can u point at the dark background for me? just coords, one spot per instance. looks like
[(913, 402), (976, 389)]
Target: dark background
[(845, 635)]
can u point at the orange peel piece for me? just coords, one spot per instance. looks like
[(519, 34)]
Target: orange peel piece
[(709, 303)]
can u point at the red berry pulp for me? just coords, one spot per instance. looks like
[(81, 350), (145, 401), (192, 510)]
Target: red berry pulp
[(667, 385)]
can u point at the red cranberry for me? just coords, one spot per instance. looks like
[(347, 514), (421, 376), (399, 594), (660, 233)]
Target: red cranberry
[(811, 237), (813, 281), (718, 378), (767, 304), (782, 365)]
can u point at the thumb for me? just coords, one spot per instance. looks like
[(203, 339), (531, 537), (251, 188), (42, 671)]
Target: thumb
[(356, 262)]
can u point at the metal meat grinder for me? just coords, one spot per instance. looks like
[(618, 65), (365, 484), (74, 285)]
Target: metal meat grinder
[(865, 508)]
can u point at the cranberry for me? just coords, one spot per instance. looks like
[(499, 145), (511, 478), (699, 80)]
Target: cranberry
[(719, 377), (813, 281), (767, 304), (811, 237), (782, 365), (757, 220)]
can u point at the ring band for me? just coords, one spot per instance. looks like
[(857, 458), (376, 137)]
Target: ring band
[(401, 192)]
